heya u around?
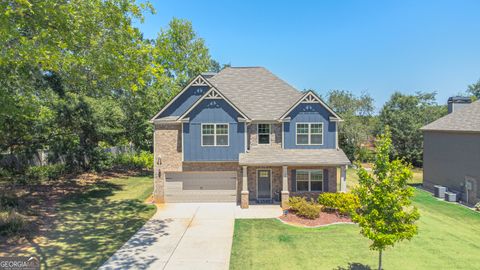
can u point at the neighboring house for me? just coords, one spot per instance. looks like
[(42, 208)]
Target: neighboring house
[(244, 135), (451, 150)]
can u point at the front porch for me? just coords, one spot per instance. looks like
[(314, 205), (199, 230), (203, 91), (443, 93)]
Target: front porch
[(275, 184)]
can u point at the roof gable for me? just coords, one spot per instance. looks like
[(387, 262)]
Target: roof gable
[(311, 97), (213, 93), (177, 106)]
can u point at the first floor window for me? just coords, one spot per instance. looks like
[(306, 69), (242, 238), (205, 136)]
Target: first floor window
[(309, 180), (309, 133), (263, 133), (214, 134)]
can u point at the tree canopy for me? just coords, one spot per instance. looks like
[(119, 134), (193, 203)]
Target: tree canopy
[(78, 75), (405, 115), (358, 125)]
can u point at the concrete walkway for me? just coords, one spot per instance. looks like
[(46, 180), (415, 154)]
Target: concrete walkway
[(186, 236)]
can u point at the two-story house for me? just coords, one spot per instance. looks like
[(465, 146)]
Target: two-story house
[(244, 135)]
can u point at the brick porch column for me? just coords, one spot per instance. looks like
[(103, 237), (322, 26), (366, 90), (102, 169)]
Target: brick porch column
[(343, 179), (285, 193), (244, 193)]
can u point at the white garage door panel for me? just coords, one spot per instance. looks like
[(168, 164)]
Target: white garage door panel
[(201, 186)]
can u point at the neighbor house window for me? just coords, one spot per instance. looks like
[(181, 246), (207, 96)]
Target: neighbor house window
[(263, 133), (309, 180), (214, 134), (309, 133)]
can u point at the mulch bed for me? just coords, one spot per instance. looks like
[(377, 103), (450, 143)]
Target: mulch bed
[(324, 219)]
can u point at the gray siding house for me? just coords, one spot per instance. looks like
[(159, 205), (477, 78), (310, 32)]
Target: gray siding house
[(451, 151), (244, 135)]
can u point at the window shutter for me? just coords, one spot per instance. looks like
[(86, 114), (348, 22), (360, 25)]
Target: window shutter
[(325, 180), (294, 180)]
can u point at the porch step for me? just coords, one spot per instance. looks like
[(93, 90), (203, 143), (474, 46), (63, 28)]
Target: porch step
[(264, 201)]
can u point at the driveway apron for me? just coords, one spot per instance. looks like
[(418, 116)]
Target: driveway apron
[(180, 236)]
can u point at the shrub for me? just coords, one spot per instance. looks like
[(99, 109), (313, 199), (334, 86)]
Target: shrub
[(344, 203), (47, 172), (303, 208), (11, 222), (142, 160)]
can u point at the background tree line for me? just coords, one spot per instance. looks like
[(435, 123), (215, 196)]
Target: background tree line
[(78, 76)]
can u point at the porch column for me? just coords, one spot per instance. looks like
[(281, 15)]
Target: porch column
[(343, 179), (285, 193), (244, 193)]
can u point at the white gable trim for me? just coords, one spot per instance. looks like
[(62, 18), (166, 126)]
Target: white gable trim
[(311, 97), (197, 81), (213, 92)]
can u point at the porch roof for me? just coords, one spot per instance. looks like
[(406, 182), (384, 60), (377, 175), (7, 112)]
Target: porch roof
[(294, 157)]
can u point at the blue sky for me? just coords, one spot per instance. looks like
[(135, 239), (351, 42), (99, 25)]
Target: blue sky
[(373, 46)]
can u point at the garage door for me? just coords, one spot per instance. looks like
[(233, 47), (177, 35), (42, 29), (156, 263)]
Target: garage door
[(201, 186)]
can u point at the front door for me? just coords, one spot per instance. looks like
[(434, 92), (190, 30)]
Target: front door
[(264, 184)]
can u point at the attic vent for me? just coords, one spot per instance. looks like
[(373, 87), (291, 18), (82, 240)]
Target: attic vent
[(199, 81), (212, 94), (310, 98)]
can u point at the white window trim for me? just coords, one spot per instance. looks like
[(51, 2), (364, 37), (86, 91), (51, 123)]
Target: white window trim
[(309, 133), (309, 180), (215, 134), (269, 133)]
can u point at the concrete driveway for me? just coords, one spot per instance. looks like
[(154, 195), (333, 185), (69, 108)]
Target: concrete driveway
[(186, 236)]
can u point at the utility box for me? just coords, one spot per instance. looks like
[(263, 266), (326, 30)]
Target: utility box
[(439, 191), (450, 197)]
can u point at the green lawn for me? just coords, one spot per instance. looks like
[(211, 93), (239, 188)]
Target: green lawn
[(93, 225), (352, 178), (449, 238)]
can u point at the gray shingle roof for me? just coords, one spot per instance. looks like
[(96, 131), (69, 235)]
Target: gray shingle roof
[(466, 119), (292, 157), (256, 91)]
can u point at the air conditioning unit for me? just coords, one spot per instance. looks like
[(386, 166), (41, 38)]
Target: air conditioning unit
[(439, 191), (450, 197)]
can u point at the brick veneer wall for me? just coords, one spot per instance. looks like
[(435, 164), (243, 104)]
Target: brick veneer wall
[(275, 136), (167, 146), (252, 180)]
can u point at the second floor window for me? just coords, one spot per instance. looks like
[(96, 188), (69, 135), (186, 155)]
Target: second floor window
[(214, 134), (263, 133), (309, 133)]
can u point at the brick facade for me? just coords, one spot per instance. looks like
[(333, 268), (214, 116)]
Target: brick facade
[(275, 136), (168, 148)]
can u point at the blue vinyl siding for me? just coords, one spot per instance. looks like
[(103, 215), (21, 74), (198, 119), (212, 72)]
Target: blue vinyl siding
[(309, 113), (184, 101), (213, 111)]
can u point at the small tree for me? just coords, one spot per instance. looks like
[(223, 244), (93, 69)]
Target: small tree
[(386, 215)]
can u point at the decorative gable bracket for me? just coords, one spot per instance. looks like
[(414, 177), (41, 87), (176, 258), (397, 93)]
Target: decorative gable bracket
[(200, 81), (310, 98), (213, 95)]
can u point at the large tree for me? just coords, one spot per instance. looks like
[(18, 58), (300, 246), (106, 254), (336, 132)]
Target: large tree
[(386, 215), (405, 115), (357, 113), (78, 76)]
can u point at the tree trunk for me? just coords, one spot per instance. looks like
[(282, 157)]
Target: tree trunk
[(380, 259)]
